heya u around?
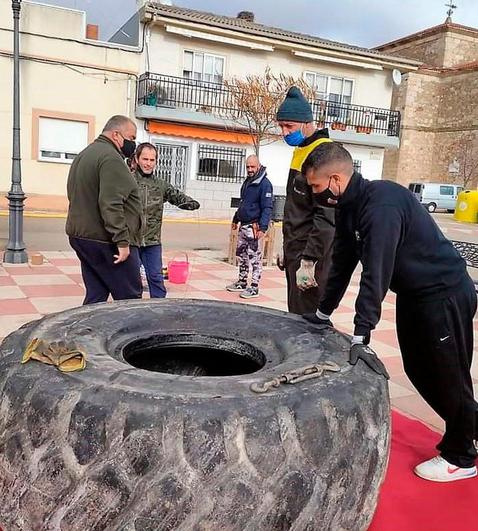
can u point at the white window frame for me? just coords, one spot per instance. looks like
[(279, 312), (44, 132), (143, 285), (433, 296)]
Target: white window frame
[(63, 155), (196, 53), (328, 83)]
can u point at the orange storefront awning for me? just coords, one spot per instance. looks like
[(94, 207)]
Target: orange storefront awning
[(194, 131)]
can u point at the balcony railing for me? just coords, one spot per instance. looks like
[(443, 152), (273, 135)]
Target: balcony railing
[(158, 90)]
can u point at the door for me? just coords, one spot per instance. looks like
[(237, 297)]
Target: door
[(172, 164), (447, 197), (416, 190)]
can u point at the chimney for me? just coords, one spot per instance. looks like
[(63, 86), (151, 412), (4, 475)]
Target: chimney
[(246, 15), (92, 31)]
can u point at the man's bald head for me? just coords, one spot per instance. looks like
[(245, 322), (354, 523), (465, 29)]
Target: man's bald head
[(120, 129), (252, 165)]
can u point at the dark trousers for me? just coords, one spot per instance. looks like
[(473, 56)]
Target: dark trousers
[(298, 301), (152, 260), (436, 340), (102, 277)]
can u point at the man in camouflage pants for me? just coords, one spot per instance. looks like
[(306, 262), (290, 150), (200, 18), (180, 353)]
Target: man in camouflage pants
[(253, 215)]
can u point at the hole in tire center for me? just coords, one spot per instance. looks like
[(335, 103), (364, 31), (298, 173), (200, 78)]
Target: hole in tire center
[(193, 355)]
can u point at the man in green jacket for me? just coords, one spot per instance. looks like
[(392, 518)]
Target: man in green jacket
[(154, 192), (104, 220)]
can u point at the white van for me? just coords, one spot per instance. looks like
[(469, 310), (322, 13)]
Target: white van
[(436, 195)]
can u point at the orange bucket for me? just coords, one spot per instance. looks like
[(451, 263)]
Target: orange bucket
[(178, 270)]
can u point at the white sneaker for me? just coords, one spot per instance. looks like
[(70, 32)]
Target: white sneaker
[(439, 469)]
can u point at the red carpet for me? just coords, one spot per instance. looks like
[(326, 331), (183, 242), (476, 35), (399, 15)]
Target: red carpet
[(408, 503)]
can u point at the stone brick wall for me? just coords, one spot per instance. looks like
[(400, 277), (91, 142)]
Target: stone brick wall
[(430, 51), (437, 108), (448, 48), (460, 49), (418, 99), (421, 100), (459, 101), (436, 111)]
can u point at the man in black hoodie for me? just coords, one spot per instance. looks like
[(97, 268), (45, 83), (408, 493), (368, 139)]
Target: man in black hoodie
[(308, 228), (381, 225)]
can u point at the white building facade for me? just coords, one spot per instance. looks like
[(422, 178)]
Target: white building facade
[(182, 100), (170, 79)]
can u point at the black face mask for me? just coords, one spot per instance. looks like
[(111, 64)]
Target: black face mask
[(144, 174), (323, 198), (128, 147)]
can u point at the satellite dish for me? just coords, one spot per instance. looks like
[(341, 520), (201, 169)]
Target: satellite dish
[(396, 76)]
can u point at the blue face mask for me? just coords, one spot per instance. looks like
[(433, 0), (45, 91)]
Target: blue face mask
[(295, 138)]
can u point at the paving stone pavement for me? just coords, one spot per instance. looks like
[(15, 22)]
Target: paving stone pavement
[(29, 292)]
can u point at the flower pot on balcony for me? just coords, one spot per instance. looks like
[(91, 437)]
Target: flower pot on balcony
[(366, 129), (339, 126), (152, 99)]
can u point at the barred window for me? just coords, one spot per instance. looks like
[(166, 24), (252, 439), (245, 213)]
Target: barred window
[(221, 164), (358, 166)]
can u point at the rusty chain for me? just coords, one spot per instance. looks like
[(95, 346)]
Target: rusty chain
[(295, 376)]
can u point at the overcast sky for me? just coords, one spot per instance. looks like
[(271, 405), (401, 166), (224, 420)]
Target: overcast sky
[(361, 22)]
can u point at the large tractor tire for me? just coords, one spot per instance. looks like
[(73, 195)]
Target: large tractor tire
[(166, 428)]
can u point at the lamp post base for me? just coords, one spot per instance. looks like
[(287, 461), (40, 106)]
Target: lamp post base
[(15, 252), (15, 257)]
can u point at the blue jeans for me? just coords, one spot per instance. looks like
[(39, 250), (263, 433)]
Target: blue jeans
[(152, 260)]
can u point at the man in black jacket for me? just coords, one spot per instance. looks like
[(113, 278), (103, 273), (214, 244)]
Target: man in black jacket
[(308, 228), (382, 225)]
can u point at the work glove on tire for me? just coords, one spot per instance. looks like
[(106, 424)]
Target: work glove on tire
[(359, 351)]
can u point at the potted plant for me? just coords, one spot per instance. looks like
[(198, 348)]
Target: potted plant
[(321, 121), (339, 126), (151, 97), (365, 127)]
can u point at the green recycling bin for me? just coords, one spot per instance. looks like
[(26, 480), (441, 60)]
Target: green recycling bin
[(467, 206)]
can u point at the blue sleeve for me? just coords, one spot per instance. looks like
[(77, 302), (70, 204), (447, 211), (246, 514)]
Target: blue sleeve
[(266, 200)]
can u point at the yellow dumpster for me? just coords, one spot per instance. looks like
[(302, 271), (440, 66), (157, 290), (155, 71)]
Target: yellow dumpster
[(467, 206)]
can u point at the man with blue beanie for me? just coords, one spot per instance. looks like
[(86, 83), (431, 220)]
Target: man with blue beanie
[(308, 228)]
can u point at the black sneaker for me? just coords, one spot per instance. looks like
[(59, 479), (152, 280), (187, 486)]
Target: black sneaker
[(236, 286), (250, 293)]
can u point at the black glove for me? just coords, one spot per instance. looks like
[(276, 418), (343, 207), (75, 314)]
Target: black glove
[(190, 205), (358, 351), (280, 262), (312, 318)]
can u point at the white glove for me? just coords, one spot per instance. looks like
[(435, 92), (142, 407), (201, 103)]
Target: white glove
[(305, 275)]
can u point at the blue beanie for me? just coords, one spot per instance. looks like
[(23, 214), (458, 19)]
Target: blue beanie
[(295, 108)]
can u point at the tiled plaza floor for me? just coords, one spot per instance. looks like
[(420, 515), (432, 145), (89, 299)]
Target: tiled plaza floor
[(28, 292)]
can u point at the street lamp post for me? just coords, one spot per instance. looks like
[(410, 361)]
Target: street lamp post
[(15, 252)]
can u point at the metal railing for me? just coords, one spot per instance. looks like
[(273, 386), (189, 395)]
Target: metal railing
[(159, 90), (177, 92), (221, 164), (358, 118), (468, 251)]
